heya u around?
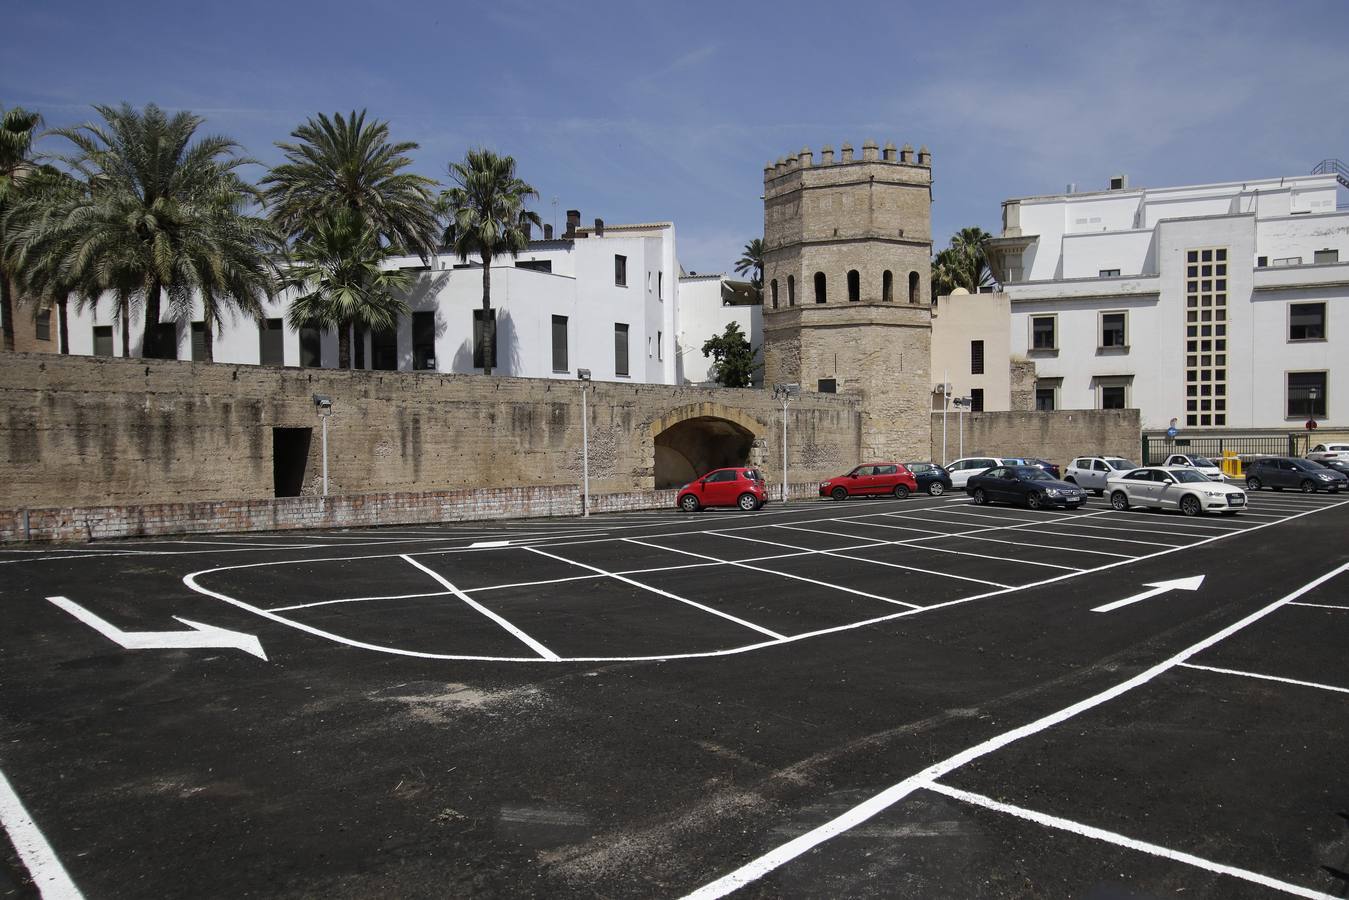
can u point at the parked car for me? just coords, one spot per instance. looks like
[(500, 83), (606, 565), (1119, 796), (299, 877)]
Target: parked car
[(1051, 468), (1174, 487), (1341, 466), (1279, 472), (1092, 472), (740, 487), (871, 479), (1030, 485), (961, 470), (1202, 464), (1328, 453), (929, 477)]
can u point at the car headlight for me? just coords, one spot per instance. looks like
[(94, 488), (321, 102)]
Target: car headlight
[(1216, 493), (1325, 476), (1053, 492)]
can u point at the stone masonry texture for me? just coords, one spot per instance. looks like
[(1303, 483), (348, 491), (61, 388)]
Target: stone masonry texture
[(1057, 436)]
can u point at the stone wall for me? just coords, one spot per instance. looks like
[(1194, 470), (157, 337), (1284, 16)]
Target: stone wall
[(87, 431), (1022, 379), (1057, 436)]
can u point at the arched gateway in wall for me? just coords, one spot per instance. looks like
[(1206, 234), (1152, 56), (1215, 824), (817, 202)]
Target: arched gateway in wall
[(696, 439)]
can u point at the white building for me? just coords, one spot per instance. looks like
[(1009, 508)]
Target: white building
[(1217, 305), (603, 298)]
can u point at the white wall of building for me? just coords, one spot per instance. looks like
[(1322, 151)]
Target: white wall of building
[(701, 316)]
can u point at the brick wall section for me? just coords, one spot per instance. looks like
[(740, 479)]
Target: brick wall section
[(1057, 436), (86, 431)]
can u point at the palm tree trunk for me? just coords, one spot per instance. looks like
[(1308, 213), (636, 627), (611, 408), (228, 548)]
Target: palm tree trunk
[(488, 324), (150, 336), (7, 312), (344, 345), (62, 327)]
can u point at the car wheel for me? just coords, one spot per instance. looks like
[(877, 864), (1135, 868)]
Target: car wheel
[(839, 493), (689, 503), (1190, 505), (936, 489), (1119, 500), (1033, 500), (980, 497), (1308, 486), (748, 502), (901, 492), (1253, 484)]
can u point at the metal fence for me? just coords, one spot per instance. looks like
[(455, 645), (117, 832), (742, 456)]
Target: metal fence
[(1157, 447)]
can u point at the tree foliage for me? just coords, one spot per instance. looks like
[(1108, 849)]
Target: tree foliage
[(751, 260), (963, 264), (18, 127), (732, 355)]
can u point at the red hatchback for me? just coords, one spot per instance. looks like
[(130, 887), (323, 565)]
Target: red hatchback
[(725, 487), (871, 478)]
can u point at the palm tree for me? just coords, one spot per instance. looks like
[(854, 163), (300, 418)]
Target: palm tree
[(163, 214), (751, 258), (17, 127), (31, 247), (346, 164), (963, 264), (340, 279), (487, 218)]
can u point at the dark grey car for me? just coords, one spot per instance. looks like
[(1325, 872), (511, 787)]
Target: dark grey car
[(1298, 474)]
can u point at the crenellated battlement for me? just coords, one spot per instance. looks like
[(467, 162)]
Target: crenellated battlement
[(871, 153)]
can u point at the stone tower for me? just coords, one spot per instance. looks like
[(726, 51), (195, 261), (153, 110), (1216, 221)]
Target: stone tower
[(847, 250)]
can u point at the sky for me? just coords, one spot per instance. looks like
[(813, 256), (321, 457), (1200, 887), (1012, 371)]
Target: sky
[(639, 112)]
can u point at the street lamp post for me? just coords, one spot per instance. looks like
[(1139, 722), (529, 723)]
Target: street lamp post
[(945, 402), (961, 404), (785, 393), (324, 406), (583, 375)]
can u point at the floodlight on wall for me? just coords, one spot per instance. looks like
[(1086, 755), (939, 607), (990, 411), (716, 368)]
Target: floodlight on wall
[(324, 404), (583, 374)]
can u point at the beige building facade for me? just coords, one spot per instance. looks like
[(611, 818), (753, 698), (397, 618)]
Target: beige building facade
[(972, 352)]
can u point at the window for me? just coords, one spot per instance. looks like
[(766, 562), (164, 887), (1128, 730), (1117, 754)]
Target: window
[(1261, 262), (1306, 395), (311, 347), (888, 286), (103, 340), (424, 341), (621, 349), (384, 350), (976, 357), (819, 287), (1206, 336), (198, 341), (1042, 333), (1306, 321), (560, 344), (166, 341), (976, 399), (538, 265), (791, 290), (271, 343), (727, 475), (648, 281), (649, 348), (854, 286), (1325, 256), (773, 290), (358, 348), (660, 285), (620, 270), (660, 345), (827, 386), (484, 324), (1288, 261), (1108, 273), (913, 287), (1113, 330), (1113, 396), (1045, 399), (42, 325)]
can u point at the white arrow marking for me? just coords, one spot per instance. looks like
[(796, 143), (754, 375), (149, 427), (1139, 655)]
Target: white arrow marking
[(1158, 587), (201, 635), (490, 544)]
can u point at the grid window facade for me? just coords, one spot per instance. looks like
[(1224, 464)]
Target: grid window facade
[(976, 357), (1206, 336)]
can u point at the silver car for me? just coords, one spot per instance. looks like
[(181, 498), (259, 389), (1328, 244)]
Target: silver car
[(1174, 487), (1092, 472)]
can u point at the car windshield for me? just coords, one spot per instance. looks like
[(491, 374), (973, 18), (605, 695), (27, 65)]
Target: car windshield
[(1307, 465), (1031, 474), (1203, 463), (1120, 464), (1185, 476)]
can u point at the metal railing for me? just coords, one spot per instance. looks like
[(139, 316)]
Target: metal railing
[(1333, 167), (1156, 448)]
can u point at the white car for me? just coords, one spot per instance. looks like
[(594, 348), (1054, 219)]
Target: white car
[(1092, 472), (1174, 487), (961, 470), (1205, 466), (1327, 453)]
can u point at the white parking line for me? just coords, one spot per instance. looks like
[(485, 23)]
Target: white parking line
[(1120, 840), (49, 876), (1320, 605), (785, 853), (516, 632), (979, 537), (1310, 684), (356, 600)]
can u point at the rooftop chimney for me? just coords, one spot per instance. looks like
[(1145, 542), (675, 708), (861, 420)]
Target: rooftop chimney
[(529, 231), (548, 232), (573, 222), (599, 228)]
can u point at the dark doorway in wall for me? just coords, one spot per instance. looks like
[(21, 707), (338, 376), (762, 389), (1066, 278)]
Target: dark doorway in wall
[(691, 448), (290, 455)]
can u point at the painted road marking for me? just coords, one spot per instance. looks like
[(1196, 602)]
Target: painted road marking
[(1310, 684), (476, 544), (1120, 840), (785, 853), (1320, 605), (523, 638), (49, 876), (1158, 588), (201, 635)]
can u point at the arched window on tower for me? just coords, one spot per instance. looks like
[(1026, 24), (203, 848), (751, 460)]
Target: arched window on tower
[(791, 290), (854, 286), (888, 286), (819, 287), (913, 287), (775, 293)]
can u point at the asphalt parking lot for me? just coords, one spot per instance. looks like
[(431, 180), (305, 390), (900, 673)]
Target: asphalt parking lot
[(880, 698)]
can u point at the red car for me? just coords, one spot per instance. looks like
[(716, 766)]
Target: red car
[(871, 478), (725, 487)]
